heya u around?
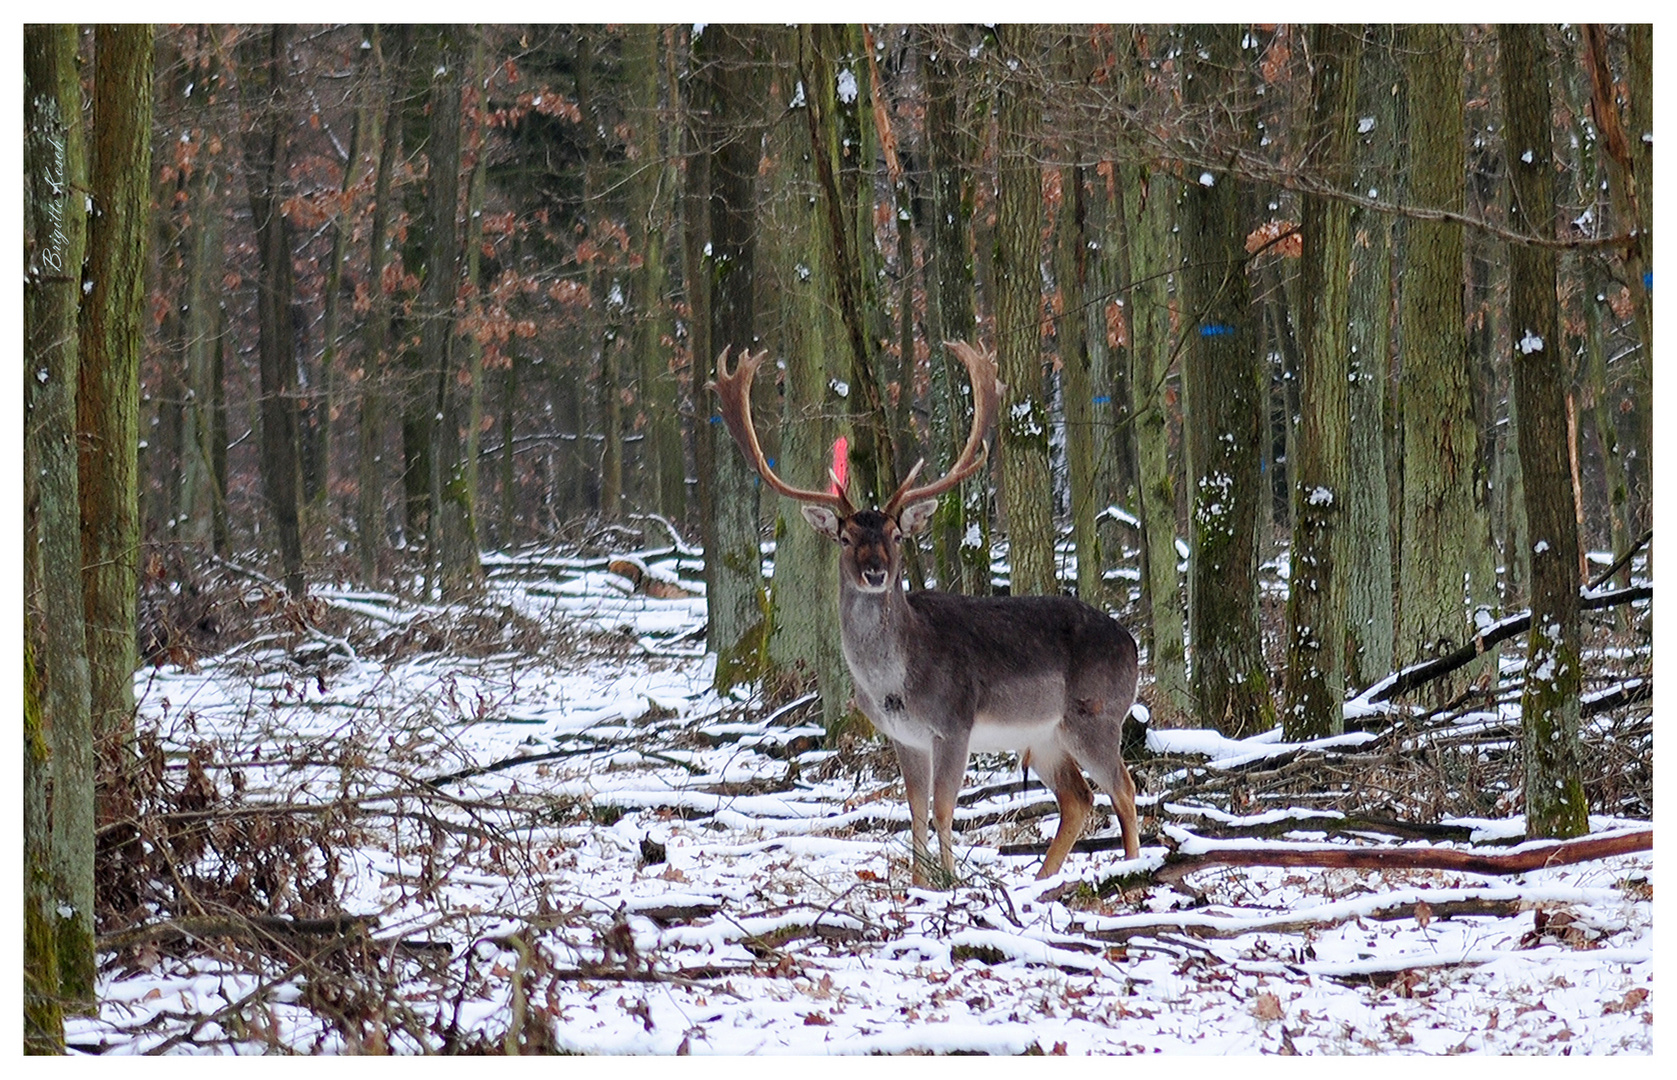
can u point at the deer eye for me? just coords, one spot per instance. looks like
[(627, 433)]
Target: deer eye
[(844, 539)]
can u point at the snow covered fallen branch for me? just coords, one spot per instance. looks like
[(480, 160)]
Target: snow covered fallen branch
[(1195, 853), (1513, 626)]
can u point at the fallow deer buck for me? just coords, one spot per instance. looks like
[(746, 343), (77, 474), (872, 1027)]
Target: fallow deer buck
[(940, 674)]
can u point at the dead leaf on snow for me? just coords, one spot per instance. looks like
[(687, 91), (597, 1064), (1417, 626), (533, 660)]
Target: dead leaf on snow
[(1632, 999)]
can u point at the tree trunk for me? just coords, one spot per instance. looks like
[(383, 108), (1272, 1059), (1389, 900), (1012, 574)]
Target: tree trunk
[(466, 497), (43, 1017), (1555, 803), (695, 236), (805, 587), (263, 72), (1445, 560), (838, 125), (1027, 485), (1316, 600), (451, 549), (1077, 389), (1368, 561), (202, 499), (324, 402), (1629, 157), (1224, 392), (651, 185), (738, 634), (55, 172), (371, 422), (961, 554), (603, 333), (1147, 195)]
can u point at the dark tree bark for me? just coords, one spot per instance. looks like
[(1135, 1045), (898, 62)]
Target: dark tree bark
[(107, 416), (466, 491), (203, 498), (1223, 417), (43, 1017), (960, 530), (695, 235), (1445, 558), (1147, 197), (727, 58), (1074, 60), (375, 348), (58, 859), (1027, 491), (838, 133), (264, 69), (1368, 561), (450, 548), (652, 185), (804, 643), (1628, 142), (324, 403), (1316, 597), (1554, 789)]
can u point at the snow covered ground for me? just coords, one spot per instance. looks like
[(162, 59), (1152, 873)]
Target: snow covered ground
[(590, 851)]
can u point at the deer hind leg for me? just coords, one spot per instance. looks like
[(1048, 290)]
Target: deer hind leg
[(1061, 773), (1092, 737), (916, 765)]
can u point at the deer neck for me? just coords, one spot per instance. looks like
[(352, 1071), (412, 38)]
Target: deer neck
[(874, 628)]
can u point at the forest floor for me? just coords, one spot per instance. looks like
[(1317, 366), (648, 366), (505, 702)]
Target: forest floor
[(532, 825)]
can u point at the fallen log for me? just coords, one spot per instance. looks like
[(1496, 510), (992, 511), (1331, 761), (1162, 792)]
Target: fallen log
[(1179, 864)]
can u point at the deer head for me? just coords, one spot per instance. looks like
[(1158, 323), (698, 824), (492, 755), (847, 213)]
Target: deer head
[(872, 539)]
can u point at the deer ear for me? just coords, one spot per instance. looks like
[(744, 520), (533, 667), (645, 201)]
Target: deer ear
[(822, 518), (916, 516)]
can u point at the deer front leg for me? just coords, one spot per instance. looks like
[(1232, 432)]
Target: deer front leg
[(949, 768), (916, 765)]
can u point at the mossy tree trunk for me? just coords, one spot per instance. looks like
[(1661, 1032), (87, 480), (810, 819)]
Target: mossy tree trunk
[(43, 1016), (1367, 499), (1225, 399), (1147, 197), (1554, 789), (1446, 567), (805, 640), (1027, 489), (839, 119), (961, 554), (1077, 388), (1316, 600), (107, 421), (729, 60), (59, 864)]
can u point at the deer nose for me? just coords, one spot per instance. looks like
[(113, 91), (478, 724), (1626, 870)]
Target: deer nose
[(874, 579)]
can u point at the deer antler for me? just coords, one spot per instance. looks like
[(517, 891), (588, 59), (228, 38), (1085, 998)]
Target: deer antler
[(986, 396), (735, 392)]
